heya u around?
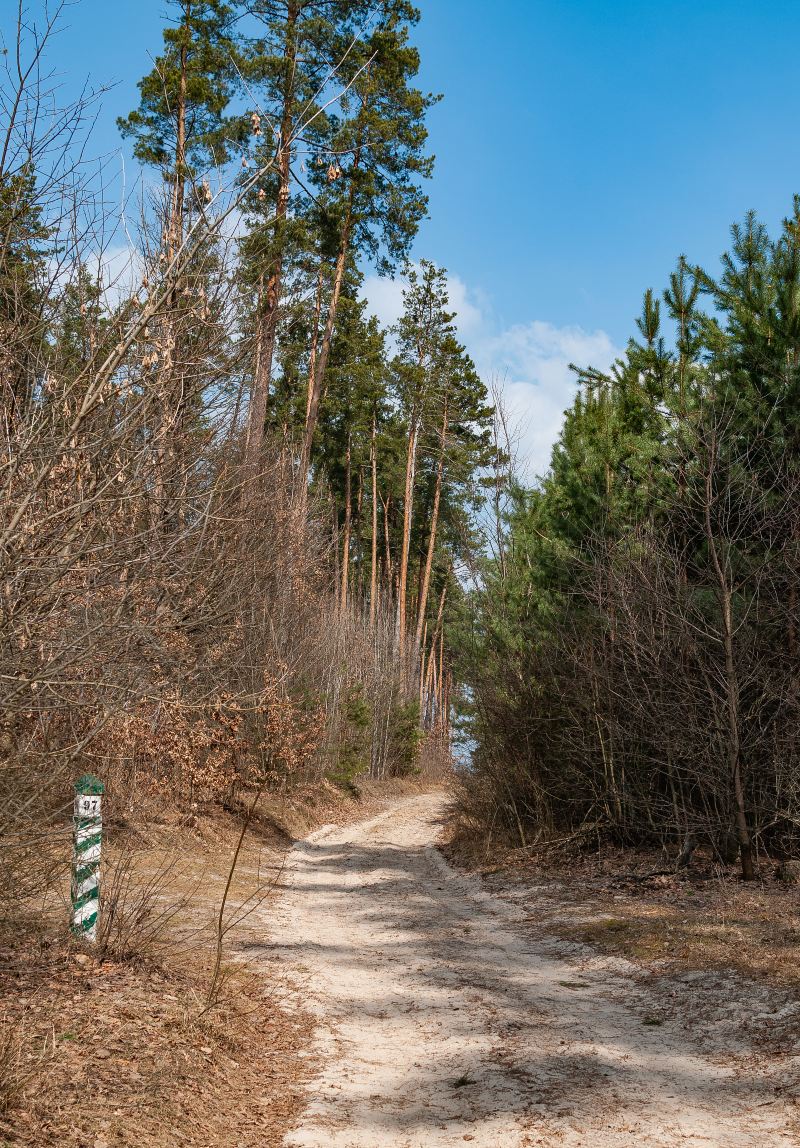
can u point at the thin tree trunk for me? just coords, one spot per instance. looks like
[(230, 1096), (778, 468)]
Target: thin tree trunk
[(387, 549), (426, 577), (318, 383), (440, 629), (731, 690), (175, 224), (171, 398), (432, 655), (312, 361), (448, 690), (388, 588), (268, 319), (317, 388), (373, 578), (422, 678), (441, 681), (408, 510), (334, 539), (348, 518), (431, 662), (359, 540)]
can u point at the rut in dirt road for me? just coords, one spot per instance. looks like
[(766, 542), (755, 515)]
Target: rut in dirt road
[(444, 1018)]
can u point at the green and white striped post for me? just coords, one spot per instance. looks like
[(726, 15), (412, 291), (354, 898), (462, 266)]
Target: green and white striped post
[(86, 856)]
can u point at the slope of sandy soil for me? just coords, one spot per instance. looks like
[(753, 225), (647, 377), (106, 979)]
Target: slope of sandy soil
[(446, 1016)]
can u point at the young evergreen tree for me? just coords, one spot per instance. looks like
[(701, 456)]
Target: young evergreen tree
[(637, 646)]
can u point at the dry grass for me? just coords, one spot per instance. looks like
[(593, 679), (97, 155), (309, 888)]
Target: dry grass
[(701, 918), (121, 1058), (117, 1048)]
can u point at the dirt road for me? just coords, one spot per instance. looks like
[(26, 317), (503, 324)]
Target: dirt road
[(444, 1017)]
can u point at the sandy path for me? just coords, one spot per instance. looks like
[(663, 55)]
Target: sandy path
[(443, 1020)]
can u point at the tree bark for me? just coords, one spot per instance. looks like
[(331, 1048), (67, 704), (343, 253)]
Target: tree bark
[(373, 577), (171, 397), (448, 690), (318, 382), (174, 237), (429, 700), (731, 688), (321, 368), (422, 695), (437, 495), (387, 549), (348, 520), (408, 510), (269, 303), (312, 361), (359, 540)]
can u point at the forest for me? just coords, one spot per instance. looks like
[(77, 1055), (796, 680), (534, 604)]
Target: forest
[(632, 648), (280, 589), (235, 508)]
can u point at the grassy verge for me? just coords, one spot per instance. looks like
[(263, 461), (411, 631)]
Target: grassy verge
[(621, 903), (120, 1047)]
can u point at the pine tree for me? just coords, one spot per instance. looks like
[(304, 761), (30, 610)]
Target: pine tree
[(346, 450), (637, 647), (681, 301), (371, 186), (446, 415), (282, 66), (181, 125), (81, 323)]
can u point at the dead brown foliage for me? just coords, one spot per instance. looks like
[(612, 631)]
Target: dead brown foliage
[(110, 1054)]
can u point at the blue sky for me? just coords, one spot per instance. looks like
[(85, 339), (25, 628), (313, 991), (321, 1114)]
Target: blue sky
[(581, 146)]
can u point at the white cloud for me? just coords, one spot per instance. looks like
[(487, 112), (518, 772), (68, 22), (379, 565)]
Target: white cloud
[(529, 360), (119, 270), (385, 301), (384, 298), (116, 269)]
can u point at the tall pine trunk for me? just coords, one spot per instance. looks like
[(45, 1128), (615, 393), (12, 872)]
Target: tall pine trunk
[(270, 296), (348, 522), (429, 701), (174, 237), (373, 575), (437, 495), (408, 512), (387, 547), (318, 383), (312, 359), (171, 397)]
